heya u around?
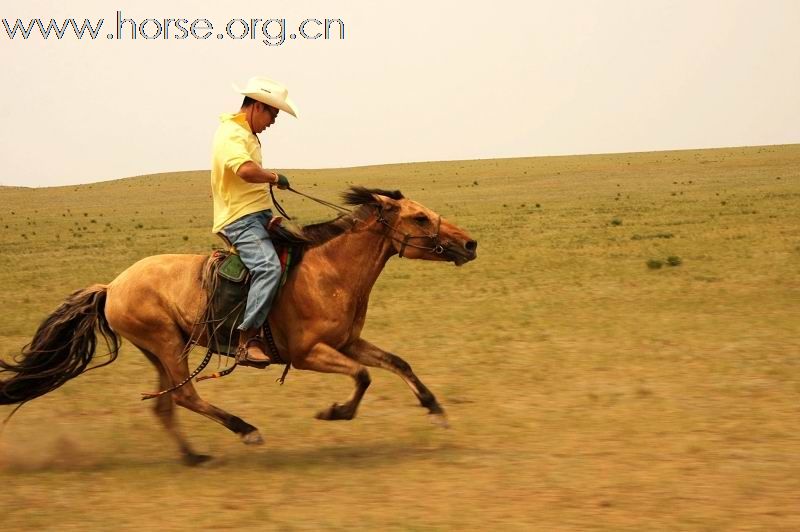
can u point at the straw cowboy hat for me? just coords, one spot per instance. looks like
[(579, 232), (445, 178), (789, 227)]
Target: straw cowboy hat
[(269, 92)]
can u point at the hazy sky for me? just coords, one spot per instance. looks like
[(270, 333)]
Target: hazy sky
[(410, 81)]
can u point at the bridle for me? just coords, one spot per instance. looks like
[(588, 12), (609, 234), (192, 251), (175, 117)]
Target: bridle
[(436, 245)]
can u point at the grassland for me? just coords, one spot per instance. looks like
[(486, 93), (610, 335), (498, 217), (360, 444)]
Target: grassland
[(586, 390)]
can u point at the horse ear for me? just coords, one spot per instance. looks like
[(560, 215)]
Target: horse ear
[(387, 203)]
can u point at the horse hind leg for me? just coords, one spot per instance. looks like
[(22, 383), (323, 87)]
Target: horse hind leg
[(187, 397), (326, 359), (373, 356), (176, 370), (164, 409)]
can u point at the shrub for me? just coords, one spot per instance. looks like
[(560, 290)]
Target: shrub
[(654, 264), (616, 221), (674, 260), (655, 235)]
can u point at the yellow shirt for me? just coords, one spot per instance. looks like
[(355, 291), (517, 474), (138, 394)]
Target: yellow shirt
[(234, 145)]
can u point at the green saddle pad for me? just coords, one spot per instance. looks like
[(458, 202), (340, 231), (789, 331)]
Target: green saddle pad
[(233, 269), (227, 304)]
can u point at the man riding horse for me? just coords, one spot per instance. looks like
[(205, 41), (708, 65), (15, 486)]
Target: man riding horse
[(241, 207), (316, 320)]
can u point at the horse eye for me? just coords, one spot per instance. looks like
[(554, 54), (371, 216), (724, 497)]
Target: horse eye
[(421, 219)]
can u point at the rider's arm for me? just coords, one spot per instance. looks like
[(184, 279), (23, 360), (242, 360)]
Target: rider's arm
[(252, 173)]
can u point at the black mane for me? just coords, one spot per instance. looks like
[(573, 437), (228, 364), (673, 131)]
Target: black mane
[(364, 196), (357, 196)]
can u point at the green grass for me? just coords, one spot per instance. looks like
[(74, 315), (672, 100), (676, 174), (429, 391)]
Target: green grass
[(586, 391)]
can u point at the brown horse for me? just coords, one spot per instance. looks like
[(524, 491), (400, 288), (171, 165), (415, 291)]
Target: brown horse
[(317, 317)]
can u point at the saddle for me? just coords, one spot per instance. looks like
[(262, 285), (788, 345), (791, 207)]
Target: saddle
[(228, 283)]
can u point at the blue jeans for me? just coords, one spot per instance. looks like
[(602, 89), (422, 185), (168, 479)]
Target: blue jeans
[(255, 248)]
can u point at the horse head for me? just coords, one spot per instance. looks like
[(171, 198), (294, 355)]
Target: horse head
[(417, 232)]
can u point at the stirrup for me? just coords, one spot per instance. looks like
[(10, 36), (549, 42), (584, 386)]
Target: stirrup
[(241, 353)]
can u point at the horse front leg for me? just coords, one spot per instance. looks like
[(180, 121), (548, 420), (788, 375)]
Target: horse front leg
[(371, 355), (325, 359)]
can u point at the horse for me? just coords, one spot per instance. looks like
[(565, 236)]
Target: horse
[(316, 318)]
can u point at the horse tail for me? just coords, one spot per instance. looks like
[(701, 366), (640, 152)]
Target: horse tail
[(62, 348)]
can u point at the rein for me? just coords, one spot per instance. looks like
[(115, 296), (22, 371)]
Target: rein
[(330, 205)]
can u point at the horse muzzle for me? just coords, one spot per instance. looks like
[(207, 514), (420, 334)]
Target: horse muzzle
[(461, 254)]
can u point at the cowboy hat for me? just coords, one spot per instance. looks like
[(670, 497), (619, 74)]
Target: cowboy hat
[(269, 92)]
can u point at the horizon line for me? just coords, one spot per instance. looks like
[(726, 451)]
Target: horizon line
[(317, 169)]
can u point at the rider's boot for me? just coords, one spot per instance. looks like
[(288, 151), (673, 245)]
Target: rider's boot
[(251, 349)]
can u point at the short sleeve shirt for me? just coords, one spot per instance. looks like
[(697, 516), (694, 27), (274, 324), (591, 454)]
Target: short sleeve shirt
[(234, 145)]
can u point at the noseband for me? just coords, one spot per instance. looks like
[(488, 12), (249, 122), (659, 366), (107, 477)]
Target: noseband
[(435, 247)]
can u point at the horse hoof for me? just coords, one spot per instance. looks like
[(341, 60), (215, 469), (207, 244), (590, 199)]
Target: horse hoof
[(252, 438), (440, 420), (334, 413), (193, 460)]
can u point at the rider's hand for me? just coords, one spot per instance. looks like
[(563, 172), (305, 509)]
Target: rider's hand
[(283, 182)]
